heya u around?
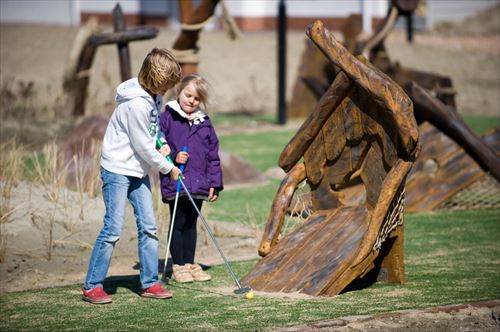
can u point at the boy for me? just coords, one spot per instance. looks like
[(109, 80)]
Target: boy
[(128, 154)]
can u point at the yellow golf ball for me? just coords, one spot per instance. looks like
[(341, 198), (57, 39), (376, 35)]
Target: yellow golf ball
[(249, 295)]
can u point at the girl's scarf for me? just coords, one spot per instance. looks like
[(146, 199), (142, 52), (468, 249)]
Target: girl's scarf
[(193, 118)]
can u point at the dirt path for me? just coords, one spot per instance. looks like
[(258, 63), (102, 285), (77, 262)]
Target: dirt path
[(478, 316), (29, 264)]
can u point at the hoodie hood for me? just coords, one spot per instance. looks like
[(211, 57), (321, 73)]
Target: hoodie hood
[(196, 117), (131, 89)]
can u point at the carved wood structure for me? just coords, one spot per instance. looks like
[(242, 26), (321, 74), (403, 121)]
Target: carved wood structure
[(362, 130), (77, 75), (185, 47), (442, 170), (457, 170)]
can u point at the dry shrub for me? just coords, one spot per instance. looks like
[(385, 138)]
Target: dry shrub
[(11, 168)]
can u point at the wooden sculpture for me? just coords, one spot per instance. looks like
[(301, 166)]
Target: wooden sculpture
[(89, 38), (362, 130), (442, 170), (458, 155), (452, 156), (185, 47)]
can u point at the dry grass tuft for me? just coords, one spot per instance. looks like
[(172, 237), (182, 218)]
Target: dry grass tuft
[(11, 161)]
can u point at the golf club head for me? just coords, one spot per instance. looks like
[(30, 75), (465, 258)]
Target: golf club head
[(164, 279), (242, 290)]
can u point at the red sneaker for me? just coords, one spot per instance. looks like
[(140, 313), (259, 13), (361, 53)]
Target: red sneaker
[(96, 295), (156, 292)]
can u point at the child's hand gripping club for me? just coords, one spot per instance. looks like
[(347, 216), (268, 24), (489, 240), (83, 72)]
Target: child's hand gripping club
[(164, 149)]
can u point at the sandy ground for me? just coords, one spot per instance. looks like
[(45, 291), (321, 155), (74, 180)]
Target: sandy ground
[(50, 239), (243, 78)]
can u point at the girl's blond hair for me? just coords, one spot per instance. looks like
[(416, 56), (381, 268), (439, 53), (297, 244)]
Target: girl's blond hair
[(200, 84), (159, 67)]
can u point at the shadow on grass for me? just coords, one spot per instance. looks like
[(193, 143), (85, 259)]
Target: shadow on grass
[(198, 288), (376, 274), (132, 282)]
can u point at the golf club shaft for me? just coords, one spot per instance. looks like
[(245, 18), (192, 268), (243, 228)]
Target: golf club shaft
[(171, 230), (159, 144), (209, 230)]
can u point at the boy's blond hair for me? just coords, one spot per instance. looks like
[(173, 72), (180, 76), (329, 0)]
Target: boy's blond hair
[(200, 84), (158, 68)]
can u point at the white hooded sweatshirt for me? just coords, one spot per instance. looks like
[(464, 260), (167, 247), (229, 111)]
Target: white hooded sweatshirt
[(129, 142)]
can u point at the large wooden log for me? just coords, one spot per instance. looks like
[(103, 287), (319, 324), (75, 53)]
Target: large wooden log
[(279, 207), (82, 79), (442, 169), (188, 38), (448, 120), (186, 45), (76, 75), (120, 25), (139, 33)]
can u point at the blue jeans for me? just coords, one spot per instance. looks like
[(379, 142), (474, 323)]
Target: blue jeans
[(116, 189)]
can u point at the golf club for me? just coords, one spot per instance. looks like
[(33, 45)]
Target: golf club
[(241, 290), (172, 220)]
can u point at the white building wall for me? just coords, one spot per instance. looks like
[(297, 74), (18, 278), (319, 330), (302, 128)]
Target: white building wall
[(304, 8), (67, 12), (40, 11), (106, 6), (457, 10), (151, 7)]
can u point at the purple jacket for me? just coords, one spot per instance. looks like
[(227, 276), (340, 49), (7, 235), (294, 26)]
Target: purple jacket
[(203, 170)]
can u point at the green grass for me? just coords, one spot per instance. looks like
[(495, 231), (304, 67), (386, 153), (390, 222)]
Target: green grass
[(451, 257), (248, 206), (480, 124), (246, 118), (262, 150)]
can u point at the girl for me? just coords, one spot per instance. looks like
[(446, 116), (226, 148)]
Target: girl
[(185, 124)]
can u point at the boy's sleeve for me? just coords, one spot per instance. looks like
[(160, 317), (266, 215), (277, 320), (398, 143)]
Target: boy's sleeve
[(214, 167), (164, 131), (142, 141)]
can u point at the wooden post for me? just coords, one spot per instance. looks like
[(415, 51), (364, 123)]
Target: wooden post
[(120, 25), (82, 80), (409, 27), (185, 13), (429, 108), (282, 62), (185, 10), (188, 38), (392, 268), (76, 77)]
